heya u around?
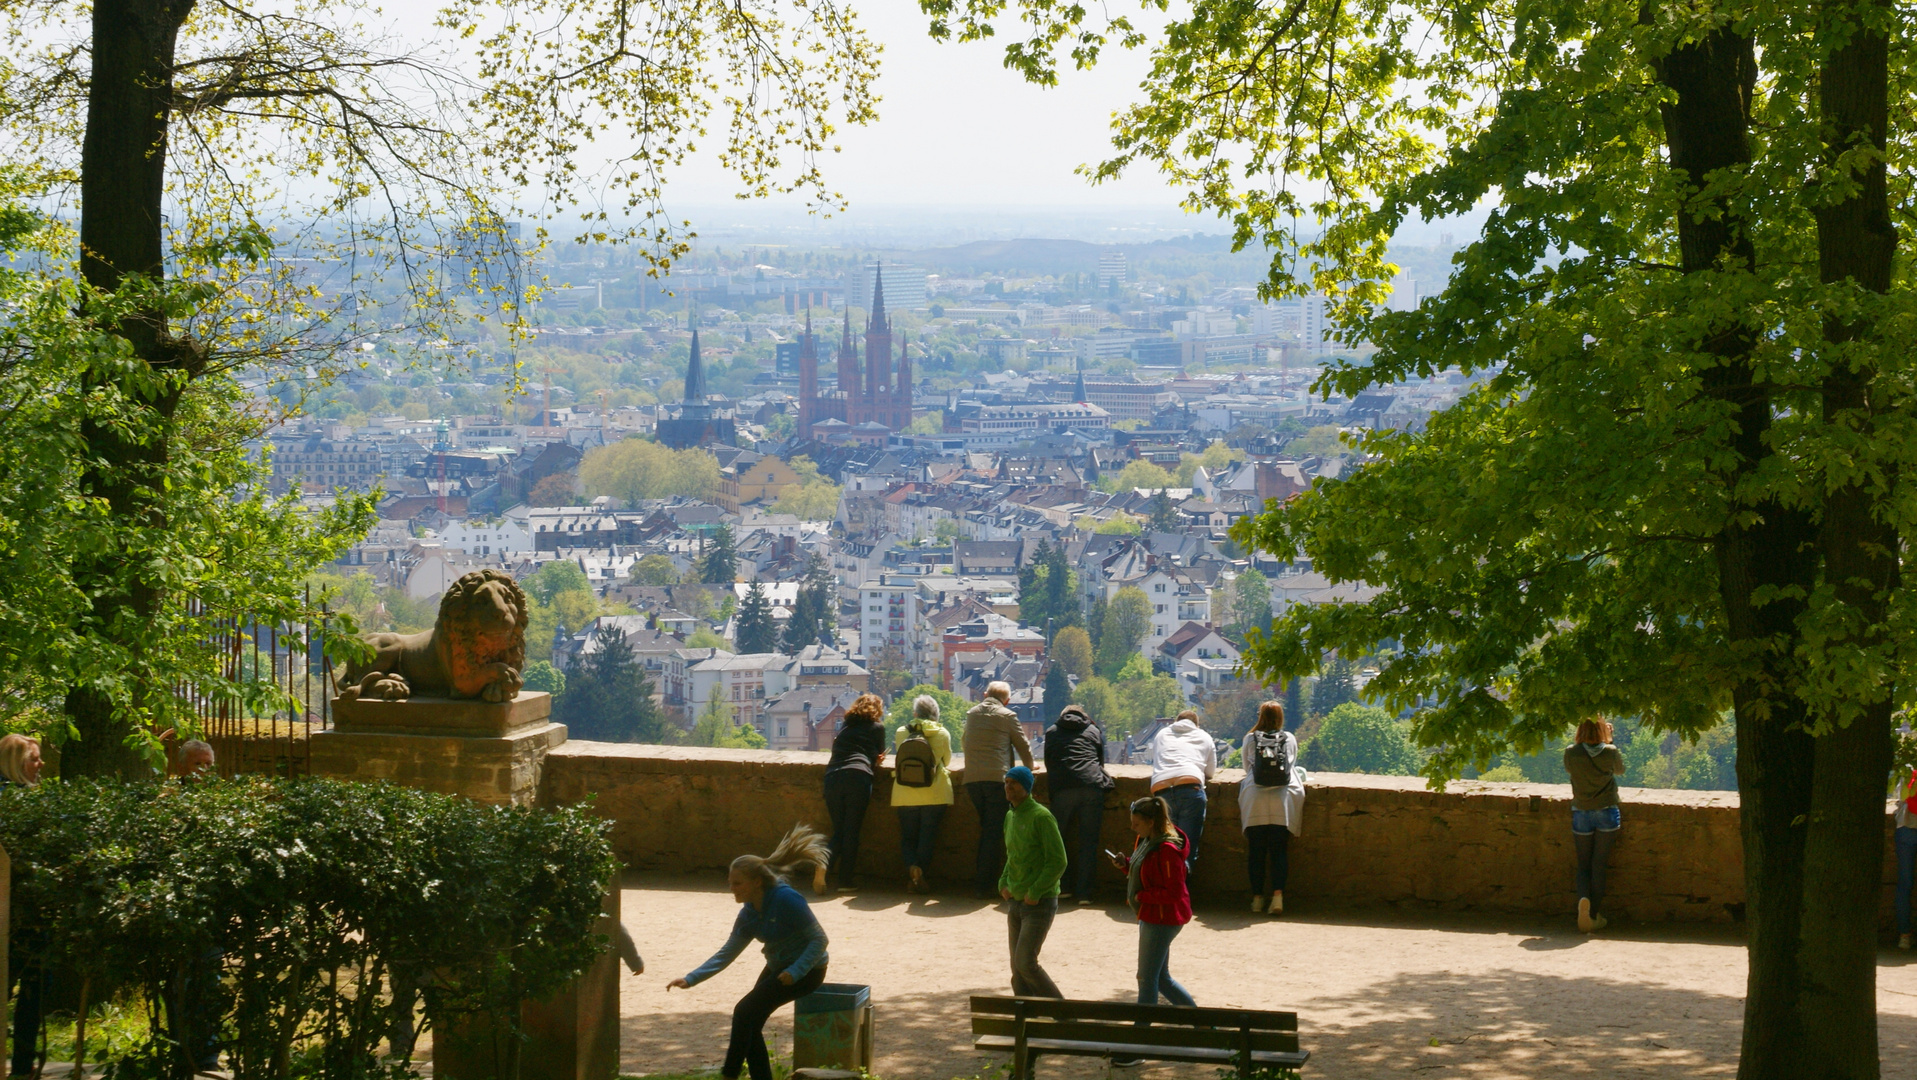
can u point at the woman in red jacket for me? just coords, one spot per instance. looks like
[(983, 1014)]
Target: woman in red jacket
[(1155, 888)]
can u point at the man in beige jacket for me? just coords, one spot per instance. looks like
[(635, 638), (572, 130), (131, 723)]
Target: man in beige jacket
[(992, 734)]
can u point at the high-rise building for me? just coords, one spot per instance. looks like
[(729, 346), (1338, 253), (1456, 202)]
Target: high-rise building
[(904, 285), (1112, 266)]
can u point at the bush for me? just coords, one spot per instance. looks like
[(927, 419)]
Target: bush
[(1361, 739), (300, 909)]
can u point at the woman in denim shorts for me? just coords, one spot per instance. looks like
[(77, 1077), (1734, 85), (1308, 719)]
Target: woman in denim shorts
[(1594, 765)]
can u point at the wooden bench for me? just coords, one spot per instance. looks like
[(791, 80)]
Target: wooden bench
[(1027, 1027)]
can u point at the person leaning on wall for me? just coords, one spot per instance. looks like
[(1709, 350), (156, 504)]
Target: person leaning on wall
[(921, 788), (857, 752), (1905, 810), (992, 735), (1594, 765), (1271, 806), (1183, 758), (1075, 773)]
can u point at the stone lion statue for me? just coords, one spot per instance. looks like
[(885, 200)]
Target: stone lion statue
[(476, 649)]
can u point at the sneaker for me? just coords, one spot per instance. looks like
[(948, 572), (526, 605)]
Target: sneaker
[(848, 888), (1903, 941), (1085, 901), (818, 880), (1257, 905), (1127, 1062), (1065, 895), (917, 882), (1584, 915), (1277, 904), (1599, 922)]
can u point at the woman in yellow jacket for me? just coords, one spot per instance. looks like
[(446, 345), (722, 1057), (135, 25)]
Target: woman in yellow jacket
[(921, 787)]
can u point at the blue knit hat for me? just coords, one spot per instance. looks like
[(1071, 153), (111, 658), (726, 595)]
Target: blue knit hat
[(1021, 774)]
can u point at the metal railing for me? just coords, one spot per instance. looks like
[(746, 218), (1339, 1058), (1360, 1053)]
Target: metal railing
[(292, 658)]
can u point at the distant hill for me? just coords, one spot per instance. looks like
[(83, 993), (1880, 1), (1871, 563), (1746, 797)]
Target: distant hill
[(1198, 254)]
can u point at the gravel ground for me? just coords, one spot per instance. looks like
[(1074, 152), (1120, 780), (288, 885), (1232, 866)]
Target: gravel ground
[(1378, 993)]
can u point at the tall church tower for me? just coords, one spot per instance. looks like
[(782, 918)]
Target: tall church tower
[(902, 391), (878, 353), (848, 361)]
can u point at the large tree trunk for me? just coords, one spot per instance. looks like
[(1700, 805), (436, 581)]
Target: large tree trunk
[(122, 179), (1844, 842)]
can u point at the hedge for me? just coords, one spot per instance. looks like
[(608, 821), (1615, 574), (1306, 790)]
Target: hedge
[(303, 919)]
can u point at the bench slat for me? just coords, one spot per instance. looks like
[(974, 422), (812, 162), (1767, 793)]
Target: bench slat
[(1003, 1045), (1087, 1031), (1124, 1011)]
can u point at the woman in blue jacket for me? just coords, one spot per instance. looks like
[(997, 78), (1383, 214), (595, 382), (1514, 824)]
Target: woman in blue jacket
[(775, 913)]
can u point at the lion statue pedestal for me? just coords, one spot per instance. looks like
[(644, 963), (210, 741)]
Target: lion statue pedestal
[(442, 710)]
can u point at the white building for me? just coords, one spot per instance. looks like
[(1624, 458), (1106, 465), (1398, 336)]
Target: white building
[(887, 616), (1112, 268), (499, 536), (904, 286)]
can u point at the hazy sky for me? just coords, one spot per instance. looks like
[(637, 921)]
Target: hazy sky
[(957, 128)]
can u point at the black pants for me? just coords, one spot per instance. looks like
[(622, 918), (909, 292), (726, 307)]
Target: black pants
[(1080, 812), (919, 834), (750, 1014), (26, 1017), (1267, 843), (1594, 851), (988, 798), (847, 793)]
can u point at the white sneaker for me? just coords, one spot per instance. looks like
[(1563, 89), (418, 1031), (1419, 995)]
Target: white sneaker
[(1903, 941), (1257, 905), (1277, 904), (1584, 915)]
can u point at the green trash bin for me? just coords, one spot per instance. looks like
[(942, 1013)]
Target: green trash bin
[(832, 1028)]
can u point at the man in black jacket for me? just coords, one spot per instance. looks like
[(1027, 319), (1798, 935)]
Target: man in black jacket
[(1075, 772)]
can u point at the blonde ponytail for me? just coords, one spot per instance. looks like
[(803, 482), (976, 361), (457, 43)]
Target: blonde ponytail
[(803, 848)]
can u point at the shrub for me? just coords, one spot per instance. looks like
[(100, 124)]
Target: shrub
[(317, 903)]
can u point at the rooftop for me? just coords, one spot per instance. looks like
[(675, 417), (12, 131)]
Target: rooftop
[(1378, 994)]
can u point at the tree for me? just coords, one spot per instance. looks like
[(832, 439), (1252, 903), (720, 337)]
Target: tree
[(1138, 475), (1164, 515), (931, 423), (608, 697), (756, 630), (555, 577), (179, 124), (557, 489), (1676, 496), (1128, 619), (945, 532), (1061, 591), (952, 710), (1119, 524), (655, 569), (1294, 702), (1034, 598), (1058, 690), (1251, 602), (1100, 702), (1362, 739), (809, 502), (1072, 651), (1338, 685), (815, 609), (715, 727), (635, 469), (541, 675), (719, 565)]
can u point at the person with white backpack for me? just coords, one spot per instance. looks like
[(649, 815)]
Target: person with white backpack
[(921, 787), (1271, 805)]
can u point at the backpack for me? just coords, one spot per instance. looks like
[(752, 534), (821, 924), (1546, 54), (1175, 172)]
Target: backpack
[(913, 763), (1270, 762)]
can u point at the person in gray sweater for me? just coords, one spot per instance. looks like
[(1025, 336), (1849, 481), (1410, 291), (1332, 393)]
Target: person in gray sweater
[(1596, 815), (992, 736)]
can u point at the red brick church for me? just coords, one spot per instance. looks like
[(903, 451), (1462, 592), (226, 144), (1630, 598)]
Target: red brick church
[(880, 394)]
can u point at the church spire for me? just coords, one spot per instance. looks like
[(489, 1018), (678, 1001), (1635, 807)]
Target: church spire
[(1078, 392), (695, 371), (876, 320)]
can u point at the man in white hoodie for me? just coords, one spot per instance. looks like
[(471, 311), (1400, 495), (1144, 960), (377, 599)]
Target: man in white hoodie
[(1184, 756)]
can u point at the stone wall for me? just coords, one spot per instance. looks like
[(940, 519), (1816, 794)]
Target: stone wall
[(1367, 840)]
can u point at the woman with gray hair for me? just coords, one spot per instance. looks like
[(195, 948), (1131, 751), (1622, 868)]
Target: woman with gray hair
[(921, 787)]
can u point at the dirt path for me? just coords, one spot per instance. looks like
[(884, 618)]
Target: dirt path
[(1378, 994)]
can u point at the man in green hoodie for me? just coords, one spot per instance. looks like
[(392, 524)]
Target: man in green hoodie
[(1034, 862)]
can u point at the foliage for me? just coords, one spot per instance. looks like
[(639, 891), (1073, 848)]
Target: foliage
[(952, 710), (1048, 589), (556, 489), (1250, 601), (1072, 651), (1119, 524), (1318, 442), (1164, 516), (815, 610), (705, 638), (944, 532), (1707, 762), (817, 501), (1139, 474), (318, 898), (1122, 708), (634, 469), (655, 569), (1336, 686), (1216, 458), (1058, 690), (608, 695), (715, 727), (1128, 619), (720, 563), (756, 630), (1362, 739), (1135, 667), (541, 675), (932, 423), (371, 606), (1233, 709), (555, 577)]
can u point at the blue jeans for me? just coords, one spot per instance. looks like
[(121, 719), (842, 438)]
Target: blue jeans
[(1154, 966), (1586, 822), (919, 833), (1084, 807), (1906, 876), (1187, 805)]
